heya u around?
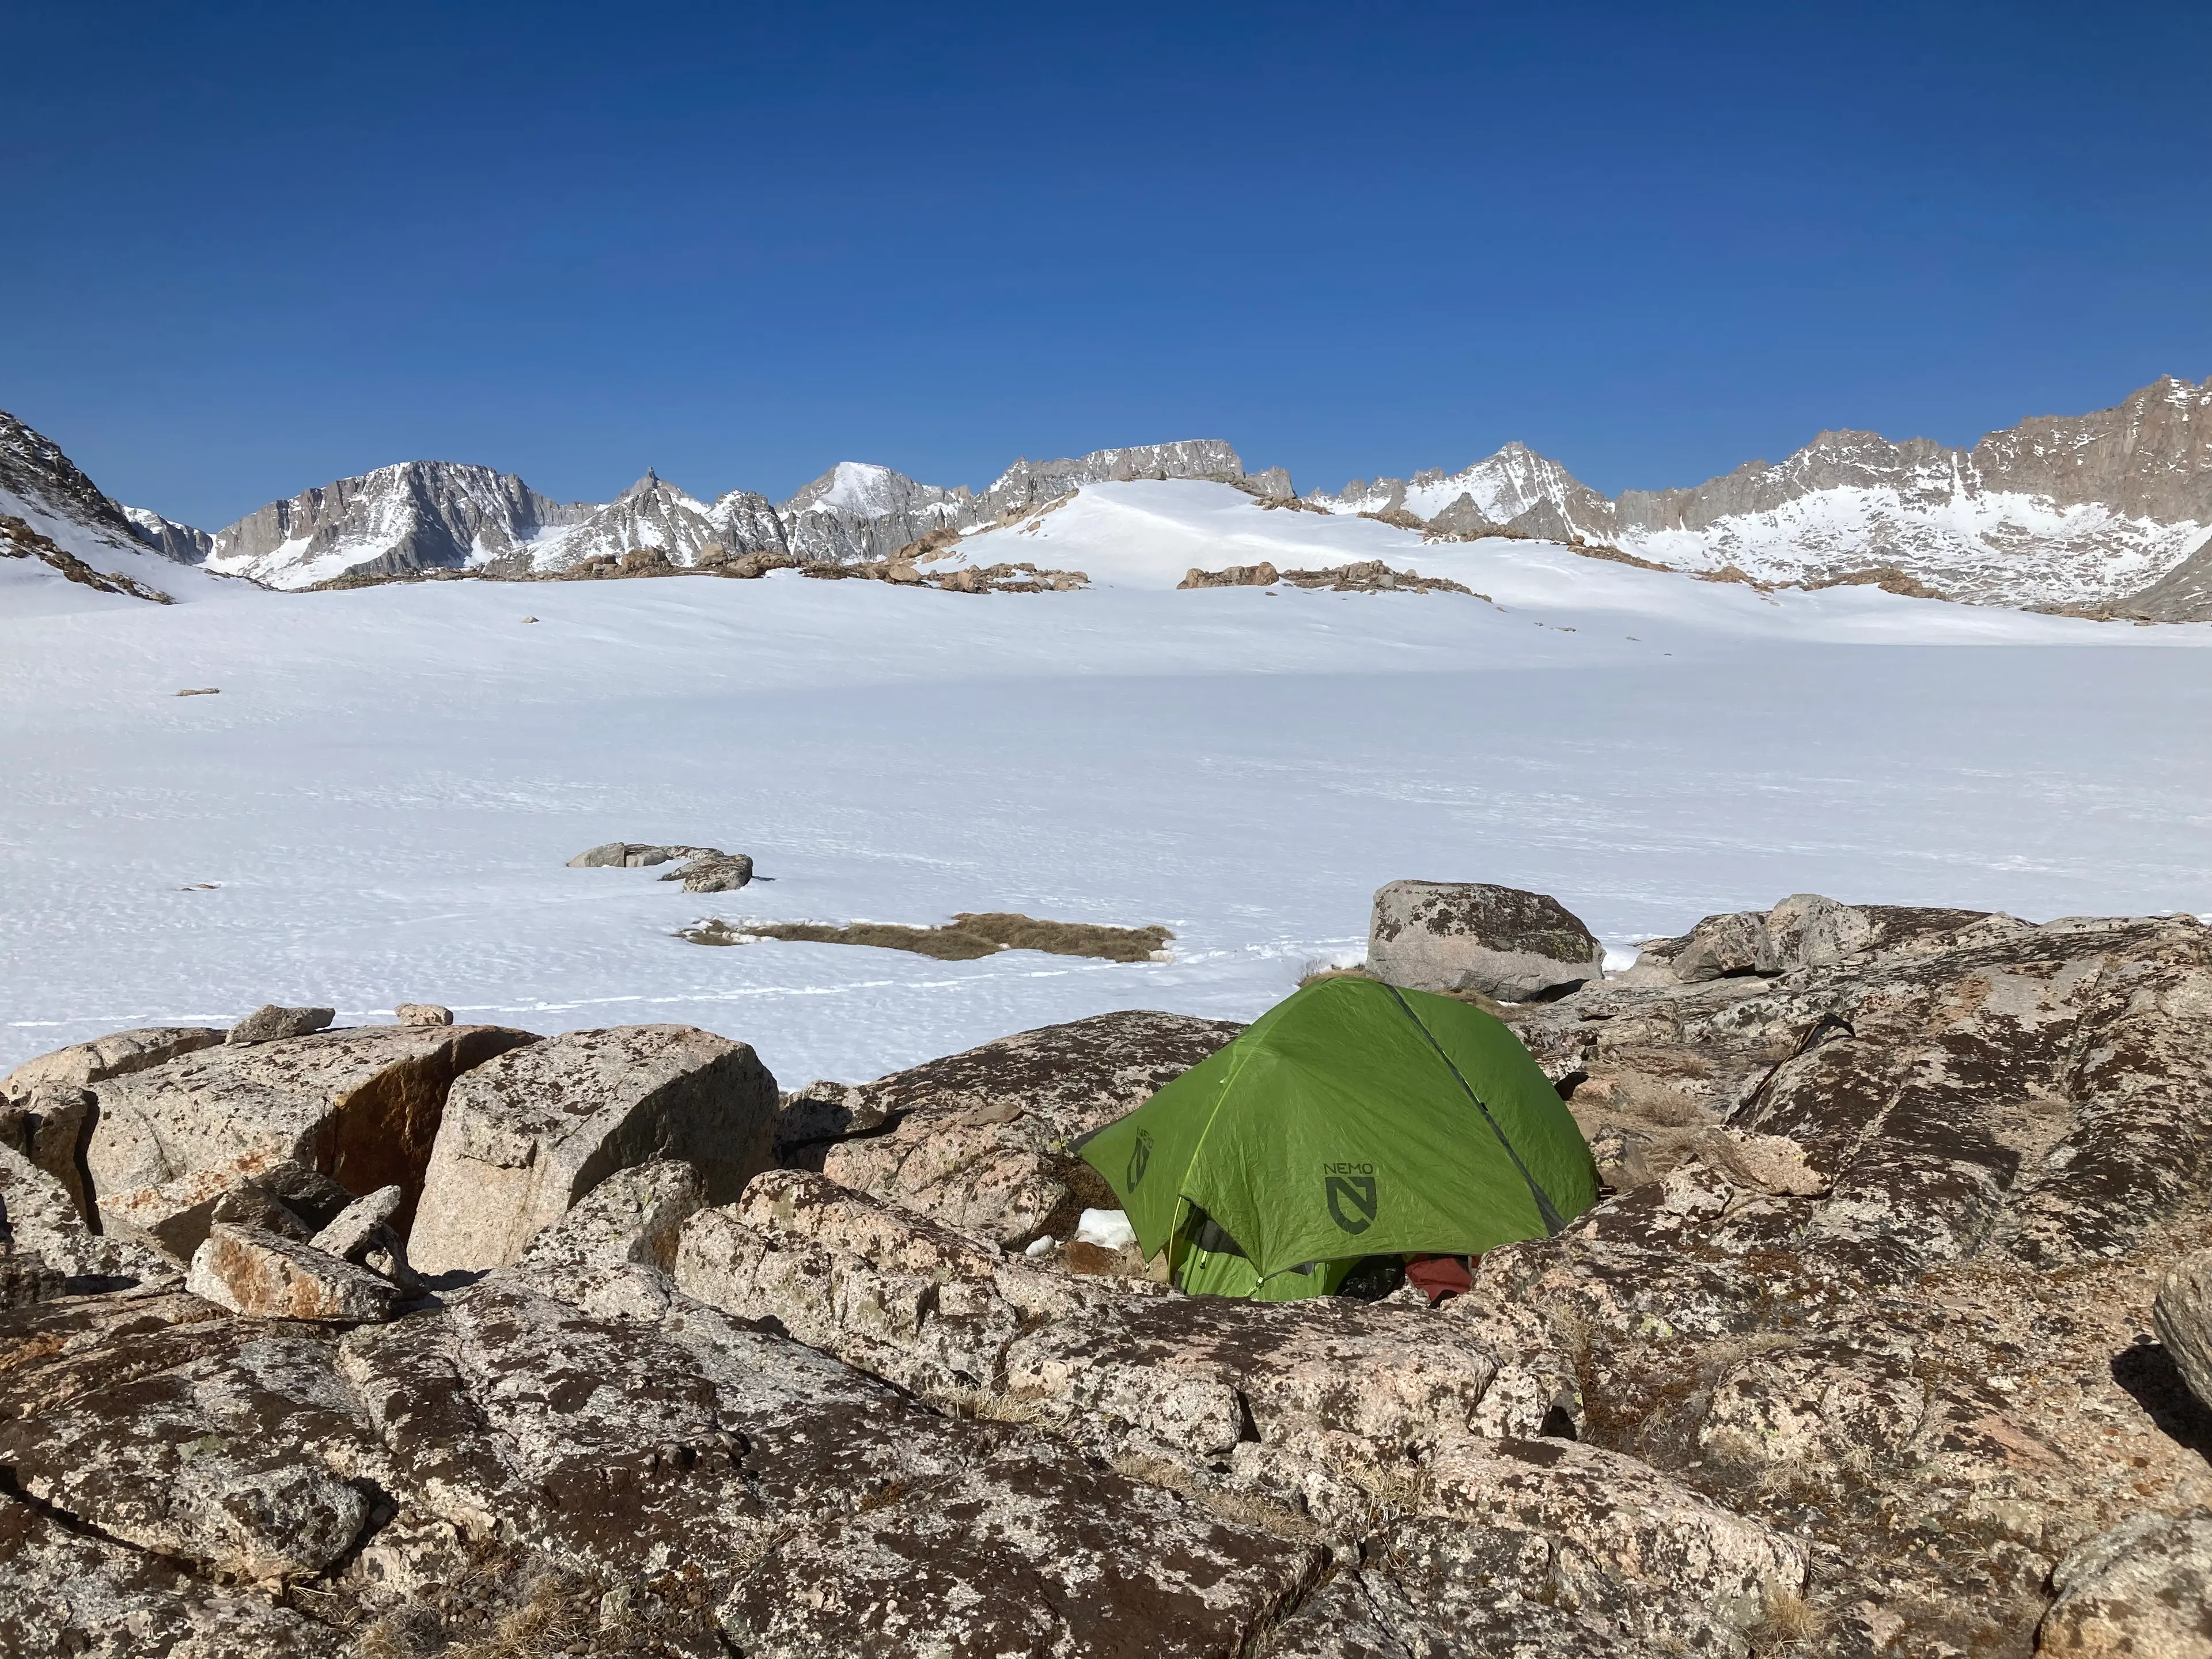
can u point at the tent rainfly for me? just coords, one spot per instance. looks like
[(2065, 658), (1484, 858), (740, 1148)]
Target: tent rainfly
[(1353, 1118)]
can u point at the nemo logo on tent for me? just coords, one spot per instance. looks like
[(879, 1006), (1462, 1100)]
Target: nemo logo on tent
[(1351, 1201), (1140, 1156)]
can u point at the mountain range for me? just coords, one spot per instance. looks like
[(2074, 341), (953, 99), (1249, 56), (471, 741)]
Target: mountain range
[(2110, 512)]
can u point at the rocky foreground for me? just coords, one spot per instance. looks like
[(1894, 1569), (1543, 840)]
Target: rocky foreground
[(435, 1339)]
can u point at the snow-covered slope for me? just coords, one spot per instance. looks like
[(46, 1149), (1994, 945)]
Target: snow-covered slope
[(68, 518), (2082, 511), (1517, 488)]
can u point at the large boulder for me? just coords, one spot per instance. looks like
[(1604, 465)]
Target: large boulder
[(526, 1136), (983, 1140), (2182, 1314), (361, 1106), (1470, 936), (47, 1225), (83, 1064), (280, 1194), (47, 1126)]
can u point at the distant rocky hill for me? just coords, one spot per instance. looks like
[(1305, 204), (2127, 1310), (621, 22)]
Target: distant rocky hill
[(2109, 513), (2111, 510)]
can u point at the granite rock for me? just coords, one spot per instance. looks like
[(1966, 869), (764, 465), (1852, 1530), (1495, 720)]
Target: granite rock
[(1471, 936), (263, 1275), (528, 1134), (269, 1023)]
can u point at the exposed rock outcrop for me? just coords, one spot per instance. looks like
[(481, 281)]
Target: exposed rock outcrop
[(51, 512), (360, 1106), (529, 1133), (85, 1064), (1868, 1366)]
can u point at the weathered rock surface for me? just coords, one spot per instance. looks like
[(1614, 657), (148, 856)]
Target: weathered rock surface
[(1938, 1362), (252, 1458), (280, 1194), (45, 1221), (264, 1275), (2183, 1316), (528, 1134), (613, 1254), (269, 1023), (1118, 1365), (982, 1140), (1016, 1557), (362, 1226), (47, 1125), (64, 1591), (1322, 1419), (1804, 931), (1470, 936), (362, 1107), (423, 1014), (2142, 1590), (1862, 1362), (711, 871), (25, 1278), (83, 1064)]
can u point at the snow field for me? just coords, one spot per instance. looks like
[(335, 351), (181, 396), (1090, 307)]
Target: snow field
[(382, 798)]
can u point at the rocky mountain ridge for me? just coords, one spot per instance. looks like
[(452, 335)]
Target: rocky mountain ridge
[(45, 488), (2111, 510), (436, 515), (2107, 514)]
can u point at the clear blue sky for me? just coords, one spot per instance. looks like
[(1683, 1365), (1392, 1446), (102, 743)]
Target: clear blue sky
[(251, 248)]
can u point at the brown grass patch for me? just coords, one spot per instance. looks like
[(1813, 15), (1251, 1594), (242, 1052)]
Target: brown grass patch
[(1790, 1625), (1887, 577), (968, 936)]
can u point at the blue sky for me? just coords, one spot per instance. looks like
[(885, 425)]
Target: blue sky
[(250, 249)]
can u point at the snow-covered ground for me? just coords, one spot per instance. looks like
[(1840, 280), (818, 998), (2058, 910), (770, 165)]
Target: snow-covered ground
[(379, 806)]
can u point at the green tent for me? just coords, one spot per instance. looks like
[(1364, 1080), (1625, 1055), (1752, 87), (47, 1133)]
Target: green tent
[(1353, 1118)]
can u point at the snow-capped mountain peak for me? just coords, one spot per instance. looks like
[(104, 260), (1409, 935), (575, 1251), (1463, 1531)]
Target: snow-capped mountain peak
[(2109, 509)]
